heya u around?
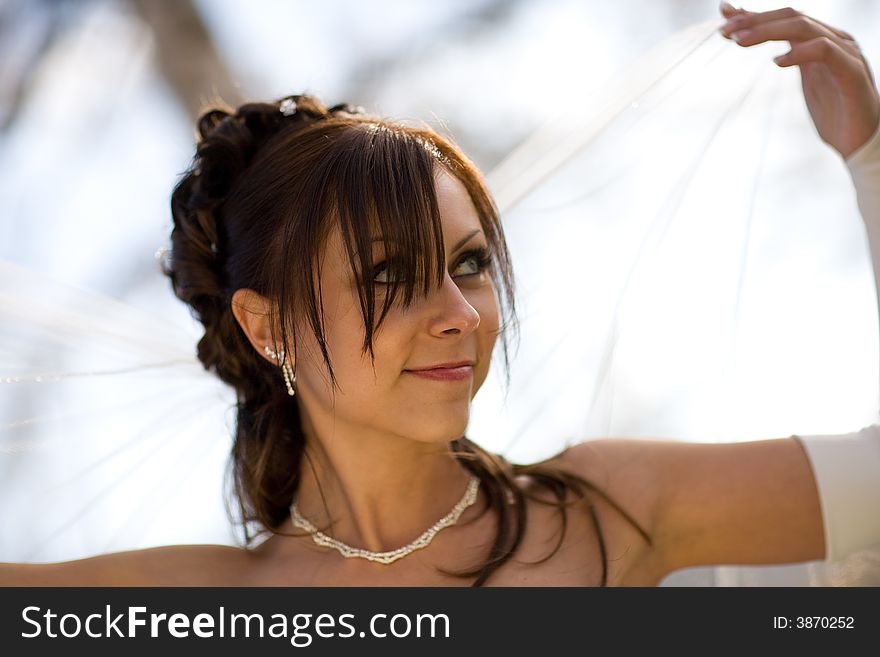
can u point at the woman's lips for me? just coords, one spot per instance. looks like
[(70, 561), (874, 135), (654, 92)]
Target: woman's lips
[(444, 373)]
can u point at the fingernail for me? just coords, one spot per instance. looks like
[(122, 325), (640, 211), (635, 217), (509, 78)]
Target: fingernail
[(731, 25), (740, 36)]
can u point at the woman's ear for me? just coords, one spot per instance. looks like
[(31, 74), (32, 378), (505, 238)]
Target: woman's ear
[(254, 313)]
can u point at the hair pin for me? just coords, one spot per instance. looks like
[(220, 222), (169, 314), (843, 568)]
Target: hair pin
[(287, 106)]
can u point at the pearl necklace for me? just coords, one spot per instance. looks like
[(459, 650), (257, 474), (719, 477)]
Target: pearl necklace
[(470, 496)]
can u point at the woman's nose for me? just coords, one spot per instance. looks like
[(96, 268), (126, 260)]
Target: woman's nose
[(451, 313)]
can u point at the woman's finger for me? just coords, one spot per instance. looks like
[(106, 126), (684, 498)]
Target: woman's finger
[(825, 50), (794, 29), (729, 11), (748, 20), (841, 34)]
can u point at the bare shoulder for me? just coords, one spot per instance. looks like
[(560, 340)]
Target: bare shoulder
[(174, 565)]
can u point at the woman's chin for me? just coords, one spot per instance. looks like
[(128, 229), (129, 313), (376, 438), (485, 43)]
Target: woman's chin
[(440, 430)]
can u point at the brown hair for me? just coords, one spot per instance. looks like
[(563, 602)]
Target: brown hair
[(254, 210)]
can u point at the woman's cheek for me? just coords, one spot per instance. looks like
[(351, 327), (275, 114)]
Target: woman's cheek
[(490, 321), (485, 302)]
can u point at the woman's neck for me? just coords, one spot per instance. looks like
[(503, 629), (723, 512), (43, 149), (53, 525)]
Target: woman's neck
[(376, 491)]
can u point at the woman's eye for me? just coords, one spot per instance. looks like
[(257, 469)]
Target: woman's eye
[(473, 266), (381, 274), (381, 277), (473, 263)]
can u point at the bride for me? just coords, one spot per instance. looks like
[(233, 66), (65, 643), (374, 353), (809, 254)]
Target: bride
[(352, 278)]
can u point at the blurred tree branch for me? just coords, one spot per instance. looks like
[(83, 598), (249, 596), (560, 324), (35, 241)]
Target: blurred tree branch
[(186, 55), (27, 32), (484, 18)]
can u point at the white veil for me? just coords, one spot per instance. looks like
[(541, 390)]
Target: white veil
[(690, 264)]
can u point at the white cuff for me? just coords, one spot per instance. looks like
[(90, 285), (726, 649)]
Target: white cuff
[(866, 155), (864, 167), (847, 472)]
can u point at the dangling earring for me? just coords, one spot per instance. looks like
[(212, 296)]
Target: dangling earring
[(289, 374)]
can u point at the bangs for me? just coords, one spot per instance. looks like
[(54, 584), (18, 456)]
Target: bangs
[(384, 195), (376, 181)]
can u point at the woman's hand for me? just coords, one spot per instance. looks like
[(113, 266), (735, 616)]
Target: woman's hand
[(837, 81)]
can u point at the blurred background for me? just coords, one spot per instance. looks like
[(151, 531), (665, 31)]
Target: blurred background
[(97, 103)]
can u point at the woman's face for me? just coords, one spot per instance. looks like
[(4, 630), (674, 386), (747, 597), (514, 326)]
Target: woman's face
[(456, 322)]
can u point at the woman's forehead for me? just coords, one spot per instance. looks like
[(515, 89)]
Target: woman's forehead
[(458, 218), (457, 211)]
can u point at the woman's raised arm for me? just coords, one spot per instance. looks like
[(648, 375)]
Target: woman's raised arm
[(772, 501), (838, 86)]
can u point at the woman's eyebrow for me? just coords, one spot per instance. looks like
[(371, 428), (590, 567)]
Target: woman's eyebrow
[(464, 240), (460, 244)]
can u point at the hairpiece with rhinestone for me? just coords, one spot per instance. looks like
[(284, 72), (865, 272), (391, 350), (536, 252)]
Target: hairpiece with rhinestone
[(287, 107)]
